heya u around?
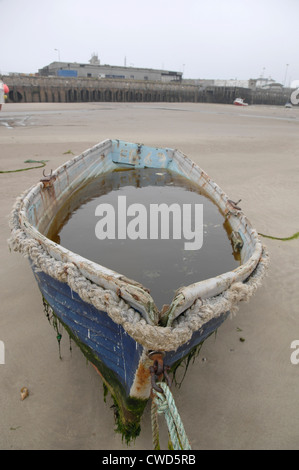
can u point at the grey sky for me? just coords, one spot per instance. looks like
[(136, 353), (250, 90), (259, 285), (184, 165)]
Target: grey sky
[(202, 38)]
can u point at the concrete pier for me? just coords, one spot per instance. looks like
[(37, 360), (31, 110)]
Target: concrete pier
[(36, 89)]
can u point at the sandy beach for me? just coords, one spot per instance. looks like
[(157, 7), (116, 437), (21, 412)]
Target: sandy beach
[(242, 390)]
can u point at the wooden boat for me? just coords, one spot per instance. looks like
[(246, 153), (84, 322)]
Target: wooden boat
[(113, 319)]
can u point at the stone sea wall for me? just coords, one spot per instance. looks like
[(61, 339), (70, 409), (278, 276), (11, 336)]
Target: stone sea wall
[(34, 89)]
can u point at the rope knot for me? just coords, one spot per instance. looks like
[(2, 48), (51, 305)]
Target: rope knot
[(164, 403), (161, 401)]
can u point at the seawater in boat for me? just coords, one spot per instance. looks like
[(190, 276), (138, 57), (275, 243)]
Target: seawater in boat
[(161, 265), (111, 317)]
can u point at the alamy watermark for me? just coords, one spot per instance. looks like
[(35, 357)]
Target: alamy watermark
[(295, 97), (295, 354), (2, 353), (134, 222)]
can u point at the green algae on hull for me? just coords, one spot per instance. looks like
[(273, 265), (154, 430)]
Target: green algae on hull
[(127, 410)]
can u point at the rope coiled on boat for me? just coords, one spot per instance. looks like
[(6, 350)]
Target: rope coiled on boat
[(151, 337)]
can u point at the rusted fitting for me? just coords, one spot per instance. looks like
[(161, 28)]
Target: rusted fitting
[(48, 180), (158, 366), (152, 354), (158, 370), (167, 378), (154, 379), (235, 204), (237, 241)]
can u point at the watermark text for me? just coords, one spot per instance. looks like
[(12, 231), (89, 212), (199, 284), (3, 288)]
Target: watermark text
[(2, 352), (134, 222), (295, 97), (295, 354)]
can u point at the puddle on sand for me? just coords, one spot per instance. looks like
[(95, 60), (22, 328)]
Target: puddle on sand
[(161, 265)]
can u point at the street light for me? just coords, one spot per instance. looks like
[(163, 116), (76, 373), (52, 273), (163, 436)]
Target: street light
[(58, 54), (285, 77)]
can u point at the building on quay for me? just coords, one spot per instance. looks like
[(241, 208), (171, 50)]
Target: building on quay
[(95, 70)]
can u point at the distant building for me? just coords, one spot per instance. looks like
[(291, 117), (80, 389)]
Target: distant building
[(268, 84), (236, 83), (95, 70), (252, 83)]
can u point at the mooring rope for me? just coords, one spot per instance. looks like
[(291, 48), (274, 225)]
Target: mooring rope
[(155, 425), (43, 163), (284, 239), (164, 403)]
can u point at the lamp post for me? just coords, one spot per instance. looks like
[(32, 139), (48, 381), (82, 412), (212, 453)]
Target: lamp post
[(285, 77), (58, 54)]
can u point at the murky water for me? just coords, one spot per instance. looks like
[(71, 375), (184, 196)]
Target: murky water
[(162, 265)]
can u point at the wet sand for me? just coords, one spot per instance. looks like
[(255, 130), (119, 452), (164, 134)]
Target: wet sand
[(242, 390)]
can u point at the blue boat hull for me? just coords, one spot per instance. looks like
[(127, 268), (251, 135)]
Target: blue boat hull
[(119, 344), (115, 354)]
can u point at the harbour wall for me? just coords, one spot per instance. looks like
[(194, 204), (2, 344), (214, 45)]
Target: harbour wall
[(33, 89)]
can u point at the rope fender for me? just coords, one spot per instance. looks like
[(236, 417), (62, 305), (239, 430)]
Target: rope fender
[(150, 337)]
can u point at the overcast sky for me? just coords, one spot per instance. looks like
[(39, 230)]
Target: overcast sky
[(202, 38)]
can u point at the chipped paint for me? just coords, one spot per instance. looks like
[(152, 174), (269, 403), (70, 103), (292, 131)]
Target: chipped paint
[(141, 386), (55, 189)]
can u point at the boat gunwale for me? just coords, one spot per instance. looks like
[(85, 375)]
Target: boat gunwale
[(113, 280)]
